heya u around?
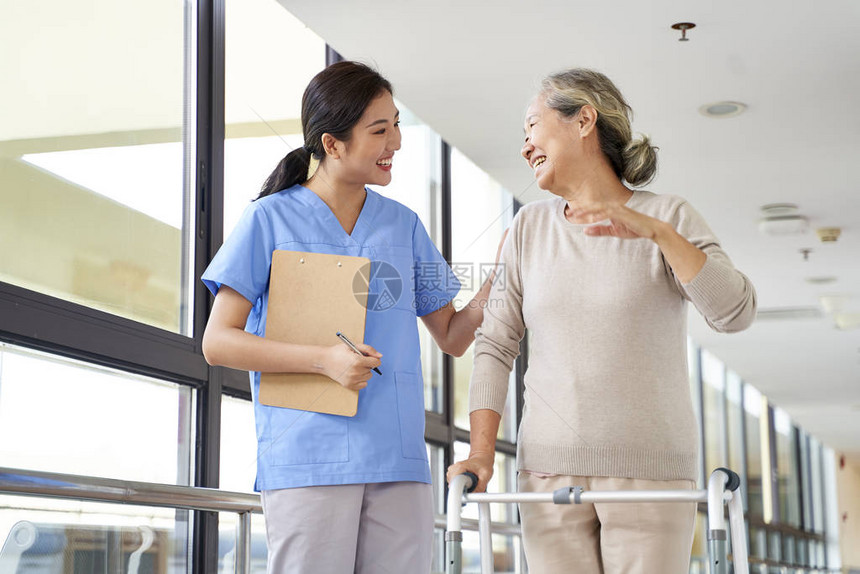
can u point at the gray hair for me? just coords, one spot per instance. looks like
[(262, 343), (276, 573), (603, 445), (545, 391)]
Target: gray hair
[(634, 161)]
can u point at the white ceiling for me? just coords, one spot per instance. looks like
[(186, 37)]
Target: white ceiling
[(468, 69)]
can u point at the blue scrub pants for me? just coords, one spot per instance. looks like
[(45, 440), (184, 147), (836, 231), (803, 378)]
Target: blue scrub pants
[(353, 528)]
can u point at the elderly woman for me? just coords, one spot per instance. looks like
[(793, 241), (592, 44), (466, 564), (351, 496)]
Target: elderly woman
[(600, 275)]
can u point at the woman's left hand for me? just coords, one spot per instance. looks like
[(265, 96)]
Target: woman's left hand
[(625, 223)]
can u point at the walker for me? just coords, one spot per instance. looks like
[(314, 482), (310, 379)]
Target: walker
[(723, 488)]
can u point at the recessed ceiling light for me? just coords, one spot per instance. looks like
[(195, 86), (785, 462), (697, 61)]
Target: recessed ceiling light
[(722, 109)]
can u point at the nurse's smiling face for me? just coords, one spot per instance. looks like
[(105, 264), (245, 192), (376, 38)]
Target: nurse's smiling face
[(368, 155)]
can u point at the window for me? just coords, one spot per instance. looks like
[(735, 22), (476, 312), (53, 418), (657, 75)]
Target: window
[(694, 374), (734, 427), (270, 58), (59, 415), (755, 453), (713, 398), (787, 469), (97, 102), (481, 210), (238, 445), (816, 483)]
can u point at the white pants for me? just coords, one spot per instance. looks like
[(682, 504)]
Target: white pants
[(353, 528)]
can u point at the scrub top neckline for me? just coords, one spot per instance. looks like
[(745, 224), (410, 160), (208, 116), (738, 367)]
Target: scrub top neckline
[(362, 227)]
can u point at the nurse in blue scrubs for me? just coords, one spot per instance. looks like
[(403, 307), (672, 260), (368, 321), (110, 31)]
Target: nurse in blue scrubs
[(341, 494)]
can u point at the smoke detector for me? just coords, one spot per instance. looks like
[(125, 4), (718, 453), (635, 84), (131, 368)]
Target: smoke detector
[(782, 219), (828, 234)]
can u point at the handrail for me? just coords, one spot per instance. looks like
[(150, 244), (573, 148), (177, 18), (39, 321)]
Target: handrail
[(96, 489)]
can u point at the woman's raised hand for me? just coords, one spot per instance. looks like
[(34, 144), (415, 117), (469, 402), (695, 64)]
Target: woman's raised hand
[(625, 223)]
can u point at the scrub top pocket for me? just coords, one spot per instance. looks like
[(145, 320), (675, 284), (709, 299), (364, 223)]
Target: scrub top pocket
[(308, 438), (410, 410)]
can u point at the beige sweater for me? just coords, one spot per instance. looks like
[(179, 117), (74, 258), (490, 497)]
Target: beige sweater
[(607, 392)]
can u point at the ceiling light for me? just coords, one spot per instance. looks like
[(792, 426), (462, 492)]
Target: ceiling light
[(722, 109), (785, 225), (781, 219), (779, 209)]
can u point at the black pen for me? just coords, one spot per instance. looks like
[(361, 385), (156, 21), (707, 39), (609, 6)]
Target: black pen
[(352, 346)]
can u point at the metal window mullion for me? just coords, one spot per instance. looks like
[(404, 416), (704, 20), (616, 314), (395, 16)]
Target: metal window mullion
[(208, 238), (446, 250), (798, 470)]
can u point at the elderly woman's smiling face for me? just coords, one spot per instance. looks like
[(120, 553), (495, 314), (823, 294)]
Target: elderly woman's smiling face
[(549, 143)]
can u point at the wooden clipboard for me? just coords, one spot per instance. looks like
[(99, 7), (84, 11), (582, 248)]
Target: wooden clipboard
[(312, 296)]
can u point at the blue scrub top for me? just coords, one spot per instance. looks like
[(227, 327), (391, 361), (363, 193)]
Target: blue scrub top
[(384, 441)]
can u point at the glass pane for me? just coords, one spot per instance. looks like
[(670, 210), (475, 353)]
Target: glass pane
[(436, 456), (787, 469), (713, 396), (758, 543), (262, 106), (506, 553), (752, 412), (437, 566), (788, 549), (774, 547), (228, 524), (92, 125), (699, 553), (694, 374), (481, 210), (59, 415), (806, 486), (416, 183), (816, 480), (734, 428), (238, 445), (42, 535), (801, 552)]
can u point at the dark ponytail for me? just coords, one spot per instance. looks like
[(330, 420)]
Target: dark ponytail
[(333, 102), (291, 170)]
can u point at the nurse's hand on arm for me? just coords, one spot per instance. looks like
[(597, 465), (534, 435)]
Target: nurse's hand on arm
[(685, 259), (482, 439), (227, 344), (454, 330)]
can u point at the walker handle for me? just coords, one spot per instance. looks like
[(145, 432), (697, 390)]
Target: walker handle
[(733, 481), (473, 481)]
